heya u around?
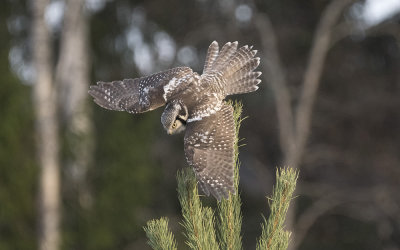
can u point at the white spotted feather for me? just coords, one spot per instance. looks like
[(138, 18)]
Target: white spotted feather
[(195, 103)]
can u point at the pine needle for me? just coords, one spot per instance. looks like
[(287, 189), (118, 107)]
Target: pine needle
[(198, 221), (160, 238), (273, 235)]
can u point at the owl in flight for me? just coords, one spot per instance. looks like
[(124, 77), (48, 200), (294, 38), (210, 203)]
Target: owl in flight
[(194, 104)]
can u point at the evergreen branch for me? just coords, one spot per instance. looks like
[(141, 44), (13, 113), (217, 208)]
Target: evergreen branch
[(273, 235), (229, 214), (284, 239), (198, 221), (160, 237)]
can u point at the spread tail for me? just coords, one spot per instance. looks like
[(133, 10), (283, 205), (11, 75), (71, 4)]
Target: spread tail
[(234, 67)]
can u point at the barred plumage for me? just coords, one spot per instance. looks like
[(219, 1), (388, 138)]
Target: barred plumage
[(194, 103)]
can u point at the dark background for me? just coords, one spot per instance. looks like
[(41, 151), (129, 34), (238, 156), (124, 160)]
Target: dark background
[(348, 191)]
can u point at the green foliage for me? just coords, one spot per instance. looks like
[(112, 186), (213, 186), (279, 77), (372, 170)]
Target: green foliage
[(273, 235), (18, 166), (159, 235), (199, 222), (121, 182)]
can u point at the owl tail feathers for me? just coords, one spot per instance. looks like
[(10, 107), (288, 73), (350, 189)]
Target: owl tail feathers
[(234, 67)]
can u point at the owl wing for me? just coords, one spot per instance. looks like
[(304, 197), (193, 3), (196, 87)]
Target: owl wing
[(209, 149), (141, 94)]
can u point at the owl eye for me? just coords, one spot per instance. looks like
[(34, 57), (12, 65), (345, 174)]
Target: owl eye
[(174, 125)]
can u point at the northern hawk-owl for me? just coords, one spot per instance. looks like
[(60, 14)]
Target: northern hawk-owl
[(194, 103)]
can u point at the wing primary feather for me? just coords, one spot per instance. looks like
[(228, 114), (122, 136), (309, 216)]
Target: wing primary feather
[(140, 94), (212, 54)]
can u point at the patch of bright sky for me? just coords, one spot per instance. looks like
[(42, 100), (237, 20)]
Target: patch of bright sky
[(143, 57), (243, 13), (371, 13), (95, 5), (22, 67), (54, 14), (142, 54), (376, 11), (187, 56), (134, 37), (165, 47), (148, 54)]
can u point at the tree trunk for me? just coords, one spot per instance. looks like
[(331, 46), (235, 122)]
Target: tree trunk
[(47, 133), (72, 77), (295, 123)]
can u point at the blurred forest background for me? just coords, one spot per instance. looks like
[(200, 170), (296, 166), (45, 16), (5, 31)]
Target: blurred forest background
[(75, 176)]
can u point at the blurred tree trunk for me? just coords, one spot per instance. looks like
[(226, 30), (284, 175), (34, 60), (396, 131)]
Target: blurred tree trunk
[(72, 77), (47, 133), (295, 122)]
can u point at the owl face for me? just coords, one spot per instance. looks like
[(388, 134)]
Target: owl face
[(174, 117)]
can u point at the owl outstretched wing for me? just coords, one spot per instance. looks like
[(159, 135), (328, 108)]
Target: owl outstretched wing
[(209, 149), (141, 94)]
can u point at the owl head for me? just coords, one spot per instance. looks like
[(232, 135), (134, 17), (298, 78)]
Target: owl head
[(174, 117)]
